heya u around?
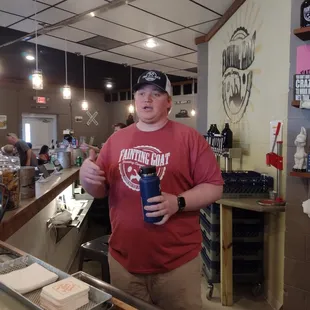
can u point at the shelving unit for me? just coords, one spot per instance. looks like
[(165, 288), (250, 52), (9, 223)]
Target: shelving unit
[(300, 174), (303, 33)]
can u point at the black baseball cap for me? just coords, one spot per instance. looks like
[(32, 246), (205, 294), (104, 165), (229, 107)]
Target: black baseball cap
[(155, 78)]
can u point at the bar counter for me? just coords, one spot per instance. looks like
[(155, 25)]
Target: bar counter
[(45, 193)]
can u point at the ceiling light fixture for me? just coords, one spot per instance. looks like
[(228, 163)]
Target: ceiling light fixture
[(30, 57), (151, 43), (37, 77), (92, 14), (109, 85), (131, 109), (66, 91), (84, 104)]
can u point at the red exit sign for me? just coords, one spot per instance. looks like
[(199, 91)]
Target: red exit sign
[(41, 100)]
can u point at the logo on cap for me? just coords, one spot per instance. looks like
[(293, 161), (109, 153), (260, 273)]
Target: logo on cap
[(151, 76)]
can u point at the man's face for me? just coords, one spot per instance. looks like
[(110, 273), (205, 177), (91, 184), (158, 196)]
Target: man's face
[(10, 140), (152, 104)]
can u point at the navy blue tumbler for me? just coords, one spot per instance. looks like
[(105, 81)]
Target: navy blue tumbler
[(149, 187)]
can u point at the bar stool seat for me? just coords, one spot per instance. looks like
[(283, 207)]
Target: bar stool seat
[(96, 250)]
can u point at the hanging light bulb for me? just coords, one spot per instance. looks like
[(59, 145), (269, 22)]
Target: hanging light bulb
[(193, 112), (66, 91), (37, 77), (84, 105), (131, 108), (37, 80)]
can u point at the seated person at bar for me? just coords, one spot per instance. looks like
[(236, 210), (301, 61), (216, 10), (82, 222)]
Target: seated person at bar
[(8, 150), (26, 156), (43, 154), (119, 126)]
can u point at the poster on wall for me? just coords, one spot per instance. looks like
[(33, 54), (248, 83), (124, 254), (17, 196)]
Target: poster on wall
[(3, 121), (78, 119), (303, 59), (237, 76), (183, 113)]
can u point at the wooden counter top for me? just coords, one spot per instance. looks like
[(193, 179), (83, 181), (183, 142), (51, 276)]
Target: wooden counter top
[(45, 193), (249, 204)]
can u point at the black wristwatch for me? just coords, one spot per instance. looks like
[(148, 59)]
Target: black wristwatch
[(181, 203)]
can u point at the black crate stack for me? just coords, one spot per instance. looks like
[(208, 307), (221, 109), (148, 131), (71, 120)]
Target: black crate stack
[(248, 245)]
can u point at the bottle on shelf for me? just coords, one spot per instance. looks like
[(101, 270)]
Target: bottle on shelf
[(215, 130), (227, 137), (305, 14)]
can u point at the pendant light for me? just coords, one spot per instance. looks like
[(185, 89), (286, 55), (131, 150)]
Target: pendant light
[(66, 91), (37, 77), (131, 108), (84, 104)]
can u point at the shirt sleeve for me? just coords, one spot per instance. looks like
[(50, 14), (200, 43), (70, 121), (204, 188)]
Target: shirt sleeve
[(23, 145), (103, 160), (204, 167)]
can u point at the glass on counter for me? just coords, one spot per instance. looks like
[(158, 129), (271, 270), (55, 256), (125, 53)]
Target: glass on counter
[(10, 177)]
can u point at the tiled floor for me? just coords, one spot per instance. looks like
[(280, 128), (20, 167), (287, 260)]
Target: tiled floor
[(243, 301)]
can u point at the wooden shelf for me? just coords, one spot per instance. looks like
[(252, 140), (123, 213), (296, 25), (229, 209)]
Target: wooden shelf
[(303, 33), (300, 174), (295, 104)]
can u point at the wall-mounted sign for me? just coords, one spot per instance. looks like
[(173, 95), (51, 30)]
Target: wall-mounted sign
[(182, 114), (183, 102), (3, 121), (78, 119), (303, 59), (92, 118), (302, 87), (41, 99)]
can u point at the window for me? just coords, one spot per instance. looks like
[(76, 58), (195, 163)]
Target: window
[(27, 133)]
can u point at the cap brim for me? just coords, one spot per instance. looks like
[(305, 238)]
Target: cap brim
[(139, 85)]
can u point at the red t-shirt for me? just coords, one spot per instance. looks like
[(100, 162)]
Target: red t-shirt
[(184, 160)]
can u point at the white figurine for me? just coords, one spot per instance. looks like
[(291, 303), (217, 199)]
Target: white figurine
[(300, 155)]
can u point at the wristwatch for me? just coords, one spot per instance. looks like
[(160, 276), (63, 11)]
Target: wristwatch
[(181, 203)]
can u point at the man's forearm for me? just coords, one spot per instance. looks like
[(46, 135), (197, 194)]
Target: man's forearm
[(201, 196), (97, 191), (28, 161)]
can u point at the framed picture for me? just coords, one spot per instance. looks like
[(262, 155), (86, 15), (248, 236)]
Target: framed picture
[(3, 121)]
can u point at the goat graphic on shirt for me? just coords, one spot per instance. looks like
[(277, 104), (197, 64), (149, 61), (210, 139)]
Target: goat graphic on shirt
[(132, 159)]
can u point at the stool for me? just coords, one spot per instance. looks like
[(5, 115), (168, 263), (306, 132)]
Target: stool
[(96, 250)]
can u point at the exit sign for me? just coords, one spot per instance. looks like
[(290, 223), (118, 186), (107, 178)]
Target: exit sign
[(41, 100)]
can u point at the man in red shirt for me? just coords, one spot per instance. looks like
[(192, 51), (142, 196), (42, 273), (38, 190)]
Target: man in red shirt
[(160, 262)]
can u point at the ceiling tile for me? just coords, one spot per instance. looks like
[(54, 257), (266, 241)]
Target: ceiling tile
[(205, 27), (7, 19), (190, 58), (153, 66), (218, 6), (184, 37), (27, 25), (107, 56), (23, 8), (51, 2), (165, 48), (71, 34), (102, 43), (175, 63), (80, 6), (61, 45), (109, 30), (136, 52), (53, 16), (183, 73), (132, 17), (183, 12)]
